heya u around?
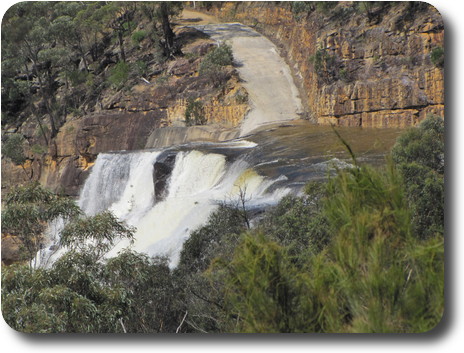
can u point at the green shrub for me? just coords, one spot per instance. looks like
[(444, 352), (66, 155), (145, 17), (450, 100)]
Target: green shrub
[(119, 75), (325, 65), (262, 289), (345, 75), (214, 62), (211, 240), (123, 72), (140, 68), (195, 113), (241, 98), (220, 55), (297, 223), (301, 9), (77, 77), (437, 56), (13, 148), (138, 36), (39, 149), (375, 258), (324, 7), (420, 157)]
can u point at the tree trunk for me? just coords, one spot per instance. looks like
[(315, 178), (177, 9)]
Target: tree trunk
[(167, 30), (121, 45)]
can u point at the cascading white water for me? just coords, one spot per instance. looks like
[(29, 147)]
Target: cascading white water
[(138, 193), (108, 181), (166, 207), (123, 183)]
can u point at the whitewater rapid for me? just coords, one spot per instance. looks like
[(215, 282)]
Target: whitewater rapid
[(124, 184), (167, 193)]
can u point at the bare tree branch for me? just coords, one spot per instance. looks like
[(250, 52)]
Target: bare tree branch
[(178, 328)]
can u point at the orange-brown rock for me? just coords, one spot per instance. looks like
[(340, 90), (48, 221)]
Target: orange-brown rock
[(10, 249), (381, 73)]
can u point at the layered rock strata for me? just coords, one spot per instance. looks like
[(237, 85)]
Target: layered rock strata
[(354, 67)]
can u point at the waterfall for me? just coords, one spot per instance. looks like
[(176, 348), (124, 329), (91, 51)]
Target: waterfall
[(168, 193), (198, 182), (117, 179), (108, 176)]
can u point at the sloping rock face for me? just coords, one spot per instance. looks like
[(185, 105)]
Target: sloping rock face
[(65, 165), (354, 66), (77, 146)]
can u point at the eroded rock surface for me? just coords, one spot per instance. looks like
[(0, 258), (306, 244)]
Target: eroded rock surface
[(376, 68)]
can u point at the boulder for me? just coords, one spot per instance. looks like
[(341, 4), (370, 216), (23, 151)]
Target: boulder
[(162, 170)]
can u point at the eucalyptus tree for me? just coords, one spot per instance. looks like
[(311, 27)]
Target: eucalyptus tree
[(13, 148), (96, 234), (27, 34), (162, 13), (420, 156), (74, 294), (29, 210)]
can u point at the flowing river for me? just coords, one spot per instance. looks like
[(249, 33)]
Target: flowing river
[(168, 192)]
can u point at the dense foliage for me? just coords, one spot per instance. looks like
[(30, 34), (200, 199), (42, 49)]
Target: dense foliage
[(214, 63), (28, 210), (13, 148), (362, 252), (420, 157), (59, 56)]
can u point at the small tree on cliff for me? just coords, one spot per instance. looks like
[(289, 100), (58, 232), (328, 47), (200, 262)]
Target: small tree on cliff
[(214, 62), (13, 148), (195, 113)]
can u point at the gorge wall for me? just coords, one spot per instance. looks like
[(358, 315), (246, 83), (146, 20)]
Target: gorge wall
[(356, 66)]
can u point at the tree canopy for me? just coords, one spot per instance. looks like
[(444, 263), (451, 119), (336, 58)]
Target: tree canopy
[(29, 210), (51, 47)]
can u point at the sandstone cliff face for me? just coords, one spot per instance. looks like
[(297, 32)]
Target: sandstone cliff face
[(374, 70)]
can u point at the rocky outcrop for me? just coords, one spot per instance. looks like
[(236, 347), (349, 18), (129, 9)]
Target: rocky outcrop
[(354, 66), (11, 250), (80, 141), (161, 173), (216, 112)]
